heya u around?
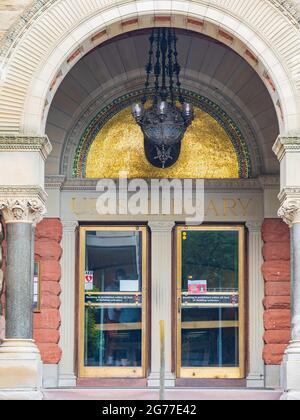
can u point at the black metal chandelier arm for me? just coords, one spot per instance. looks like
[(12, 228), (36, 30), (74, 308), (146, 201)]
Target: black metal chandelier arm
[(149, 68), (157, 67), (164, 49), (170, 66), (177, 68)]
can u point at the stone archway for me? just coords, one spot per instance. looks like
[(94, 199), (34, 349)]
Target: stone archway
[(38, 59), (59, 33)]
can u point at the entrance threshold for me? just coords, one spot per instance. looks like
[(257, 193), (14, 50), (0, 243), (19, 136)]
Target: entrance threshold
[(175, 394)]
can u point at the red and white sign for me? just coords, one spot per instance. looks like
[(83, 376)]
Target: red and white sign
[(197, 287), (89, 280)]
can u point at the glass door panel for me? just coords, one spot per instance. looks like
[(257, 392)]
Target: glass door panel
[(210, 321), (113, 302)]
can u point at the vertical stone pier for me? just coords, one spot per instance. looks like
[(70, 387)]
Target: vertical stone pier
[(22, 206), (287, 150)]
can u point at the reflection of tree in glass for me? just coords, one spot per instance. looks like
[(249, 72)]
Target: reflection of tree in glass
[(95, 340), (211, 256)]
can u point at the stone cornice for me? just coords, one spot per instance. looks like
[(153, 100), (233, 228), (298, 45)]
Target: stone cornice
[(22, 204), (286, 144), (79, 184), (18, 143), (54, 182), (269, 181)]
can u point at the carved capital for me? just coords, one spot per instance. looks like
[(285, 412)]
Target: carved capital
[(289, 211), (22, 205), (161, 226), (254, 226)]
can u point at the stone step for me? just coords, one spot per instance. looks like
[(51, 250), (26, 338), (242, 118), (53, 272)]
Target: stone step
[(153, 394)]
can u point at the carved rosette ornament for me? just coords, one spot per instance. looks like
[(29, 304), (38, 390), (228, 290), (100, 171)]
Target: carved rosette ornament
[(16, 210), (289, 211)]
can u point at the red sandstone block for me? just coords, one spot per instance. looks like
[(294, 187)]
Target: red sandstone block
[(277, 251), (275, 230), (50, 270), (276, 271), (50, 302), (50, 353), (277, 337), (50, 229), (51, 288), (47, 318), (46, 336), (277, 289), (277, 302), (273, 353), (277, 319), (48, 249)]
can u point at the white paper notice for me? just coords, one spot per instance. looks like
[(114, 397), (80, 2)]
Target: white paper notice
[(129, 285)]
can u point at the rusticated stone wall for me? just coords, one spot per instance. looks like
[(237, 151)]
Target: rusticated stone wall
[(276, 272), (46, 323)]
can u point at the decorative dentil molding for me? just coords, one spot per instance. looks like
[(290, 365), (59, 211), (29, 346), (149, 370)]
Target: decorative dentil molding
[(19, 143), (22, 204)]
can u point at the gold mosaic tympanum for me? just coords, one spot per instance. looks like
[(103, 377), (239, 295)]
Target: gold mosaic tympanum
[(207, 151)]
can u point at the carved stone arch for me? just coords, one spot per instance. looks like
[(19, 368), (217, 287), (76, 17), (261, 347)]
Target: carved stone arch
[(56, 34)]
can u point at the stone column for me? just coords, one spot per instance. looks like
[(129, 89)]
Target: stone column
[(255, 378), (20, 362), (287, 150), (161, 299), (67, 377)]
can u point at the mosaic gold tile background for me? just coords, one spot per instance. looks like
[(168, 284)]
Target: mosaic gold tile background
[(207, 151)]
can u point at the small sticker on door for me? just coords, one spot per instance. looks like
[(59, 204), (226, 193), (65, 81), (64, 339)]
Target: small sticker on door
[(89, 280)]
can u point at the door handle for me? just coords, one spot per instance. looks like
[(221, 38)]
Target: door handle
[(179, 305)]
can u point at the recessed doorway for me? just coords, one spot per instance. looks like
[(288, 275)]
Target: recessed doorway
[(210, 302)]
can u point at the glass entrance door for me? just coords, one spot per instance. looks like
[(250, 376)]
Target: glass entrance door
[(113, 291), (210, 302)]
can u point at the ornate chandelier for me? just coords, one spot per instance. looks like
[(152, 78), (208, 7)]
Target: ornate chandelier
[(165, 121)]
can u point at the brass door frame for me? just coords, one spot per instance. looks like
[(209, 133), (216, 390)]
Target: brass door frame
[(119, 371), (213, 372)]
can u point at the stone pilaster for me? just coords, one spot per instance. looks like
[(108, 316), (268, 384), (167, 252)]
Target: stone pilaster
[(67, 377), (288, 153), (256, 294), (161, 290)]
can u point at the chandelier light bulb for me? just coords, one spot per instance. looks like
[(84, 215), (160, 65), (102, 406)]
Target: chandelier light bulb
[(137, 110), (162, 107)]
